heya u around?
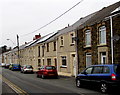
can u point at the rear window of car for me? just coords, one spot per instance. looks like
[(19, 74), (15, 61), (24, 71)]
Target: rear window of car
[(16, 65), (117, 69), (50, 68)]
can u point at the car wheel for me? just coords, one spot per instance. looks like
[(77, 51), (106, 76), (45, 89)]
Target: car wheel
[(43, 76), (104, 87), (38, 76), (78, 83)]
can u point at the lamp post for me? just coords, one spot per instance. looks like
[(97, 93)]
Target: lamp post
[(18, 49), (11, 41)]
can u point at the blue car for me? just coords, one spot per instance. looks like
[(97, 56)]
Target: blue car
[(104, 76), (15, 67)]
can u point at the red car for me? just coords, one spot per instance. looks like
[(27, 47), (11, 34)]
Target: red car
[(47, 71)]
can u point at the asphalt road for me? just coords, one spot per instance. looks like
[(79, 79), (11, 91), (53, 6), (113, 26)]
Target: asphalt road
[(33, 85)]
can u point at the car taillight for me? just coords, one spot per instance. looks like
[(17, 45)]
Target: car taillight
[(113, 76)]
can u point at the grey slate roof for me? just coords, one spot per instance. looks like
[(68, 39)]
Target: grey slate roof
[(100, 15)]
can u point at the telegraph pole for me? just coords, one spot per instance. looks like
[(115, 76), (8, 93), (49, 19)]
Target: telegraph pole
[(18, 49)]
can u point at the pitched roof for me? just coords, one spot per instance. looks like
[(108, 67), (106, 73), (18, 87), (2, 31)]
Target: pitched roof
[(72, 27), (100, 15)]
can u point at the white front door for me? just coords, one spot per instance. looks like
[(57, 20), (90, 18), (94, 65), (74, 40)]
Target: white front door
[(103, 58), (74, 65)]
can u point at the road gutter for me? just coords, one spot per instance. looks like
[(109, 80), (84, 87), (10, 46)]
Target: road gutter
[(18, 90)]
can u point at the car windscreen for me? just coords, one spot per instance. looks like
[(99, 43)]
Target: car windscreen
[(50, 68), (28, 66), (117, 69)]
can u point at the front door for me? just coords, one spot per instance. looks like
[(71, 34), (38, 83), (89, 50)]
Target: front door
[(103, 58), (74, 63)]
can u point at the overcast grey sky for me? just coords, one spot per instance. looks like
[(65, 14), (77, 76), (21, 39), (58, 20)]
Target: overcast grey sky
[(24, 16)]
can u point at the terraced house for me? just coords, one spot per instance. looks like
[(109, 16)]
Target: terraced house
[(94, 39), (99, 38)]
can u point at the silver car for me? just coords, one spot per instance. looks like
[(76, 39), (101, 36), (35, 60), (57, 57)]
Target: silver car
[(26, 69)]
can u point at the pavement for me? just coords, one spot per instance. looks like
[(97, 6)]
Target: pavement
[(6, 90)]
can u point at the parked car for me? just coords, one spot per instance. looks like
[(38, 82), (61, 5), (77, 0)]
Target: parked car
[(26, 69), (47, 71), (3, 64), (7, 65), (104, 76), (15, 67)]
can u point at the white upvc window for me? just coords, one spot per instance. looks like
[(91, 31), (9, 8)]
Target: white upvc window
[(72, 41), (88, 59), (88, 38), (102, 35)]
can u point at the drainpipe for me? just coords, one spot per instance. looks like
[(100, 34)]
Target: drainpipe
[(111, 25)]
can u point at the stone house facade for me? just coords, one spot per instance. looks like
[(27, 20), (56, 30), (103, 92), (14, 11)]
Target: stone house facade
[(94, 38)]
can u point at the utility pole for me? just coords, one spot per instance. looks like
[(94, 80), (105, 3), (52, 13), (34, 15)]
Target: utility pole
[(18, 49)]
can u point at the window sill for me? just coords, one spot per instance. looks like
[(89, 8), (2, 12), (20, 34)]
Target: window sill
[(88, 46), (63, 66), (101, 45), (72, 44), (61, 45)]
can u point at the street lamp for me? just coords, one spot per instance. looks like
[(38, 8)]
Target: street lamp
[(11, 41)]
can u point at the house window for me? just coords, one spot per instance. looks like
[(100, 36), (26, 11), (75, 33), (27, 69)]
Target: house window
[(72, 38), (102, 35), (47, 47), (64, 61), (43, 62), (39, 62), (103, 57), (54, 45), (88, 59), (88, 38), (38, 51), (61, 41), (49, 62), (43, 51)]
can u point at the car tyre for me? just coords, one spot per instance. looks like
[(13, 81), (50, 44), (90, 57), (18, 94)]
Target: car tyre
[(78, 83), (104, 88), (38, 76)]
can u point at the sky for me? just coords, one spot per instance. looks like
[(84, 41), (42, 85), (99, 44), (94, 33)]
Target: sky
[(22, 17)]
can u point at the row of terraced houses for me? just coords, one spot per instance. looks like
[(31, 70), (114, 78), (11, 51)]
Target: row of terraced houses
[(94, 39)]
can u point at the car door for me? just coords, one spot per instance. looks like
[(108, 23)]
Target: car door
[(97, 75), (85, 75), (40, 71)]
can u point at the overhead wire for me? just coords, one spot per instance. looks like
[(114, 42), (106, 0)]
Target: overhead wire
[(53, 19)]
